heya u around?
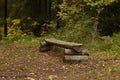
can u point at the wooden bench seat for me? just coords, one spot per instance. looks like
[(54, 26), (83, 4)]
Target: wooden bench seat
[(68, 45)]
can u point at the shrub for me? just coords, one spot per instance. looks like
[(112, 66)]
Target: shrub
[(116, 44), (14, 31), (0, 33)]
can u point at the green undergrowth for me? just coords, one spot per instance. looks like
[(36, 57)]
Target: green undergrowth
[(109, 48), (28, 41), (73, 35), (110, 73)]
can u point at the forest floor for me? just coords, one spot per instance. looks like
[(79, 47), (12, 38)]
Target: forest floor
[(23, 62)]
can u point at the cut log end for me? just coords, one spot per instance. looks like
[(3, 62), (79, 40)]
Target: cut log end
[(85, 52), (44, 47)]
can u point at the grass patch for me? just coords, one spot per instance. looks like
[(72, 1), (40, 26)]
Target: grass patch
[(3, 67), (101, 55), (109, 73), (28, 69)]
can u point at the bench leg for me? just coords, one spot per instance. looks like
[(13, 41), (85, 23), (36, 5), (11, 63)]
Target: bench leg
[(44, 47), (75, 56)]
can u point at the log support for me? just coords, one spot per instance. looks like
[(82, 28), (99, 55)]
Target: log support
[(75, 57)]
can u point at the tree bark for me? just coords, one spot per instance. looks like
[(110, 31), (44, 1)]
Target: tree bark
[(49, 6), (58, 9), (5, 17)]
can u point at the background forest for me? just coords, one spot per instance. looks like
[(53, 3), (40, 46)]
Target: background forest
[(44, 15), (95, 23), (85, 21)]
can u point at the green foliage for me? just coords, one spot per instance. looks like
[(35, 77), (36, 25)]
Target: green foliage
[(116, 44), (14, 31), (16, 21), (48, 26), (69, 9), (1, 33), (80, 32), (54, 4), (111, 47), (28, 24), (74, 15), (99, 3), (80, 19), (109, 21)]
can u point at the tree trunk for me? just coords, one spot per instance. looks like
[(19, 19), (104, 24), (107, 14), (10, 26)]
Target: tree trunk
[(49, 6), (58, 9), (5, 17)]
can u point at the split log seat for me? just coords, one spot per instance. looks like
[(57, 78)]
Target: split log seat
[(73, 51)]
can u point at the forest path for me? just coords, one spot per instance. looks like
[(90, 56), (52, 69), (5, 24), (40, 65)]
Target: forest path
[(21, 62)]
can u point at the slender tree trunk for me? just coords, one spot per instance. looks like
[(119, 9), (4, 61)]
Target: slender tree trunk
[(45, 8), (49, 6), (95, 28), (39, 6), (5, 17), (58, 9)]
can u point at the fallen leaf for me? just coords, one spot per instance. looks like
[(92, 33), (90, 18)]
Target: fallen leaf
[(51, 77), (29, 78)]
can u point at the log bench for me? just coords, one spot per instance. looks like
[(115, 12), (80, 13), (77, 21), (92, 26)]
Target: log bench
[(73, 51)]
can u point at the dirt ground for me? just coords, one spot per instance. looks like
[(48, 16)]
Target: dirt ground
[(20, 62)]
